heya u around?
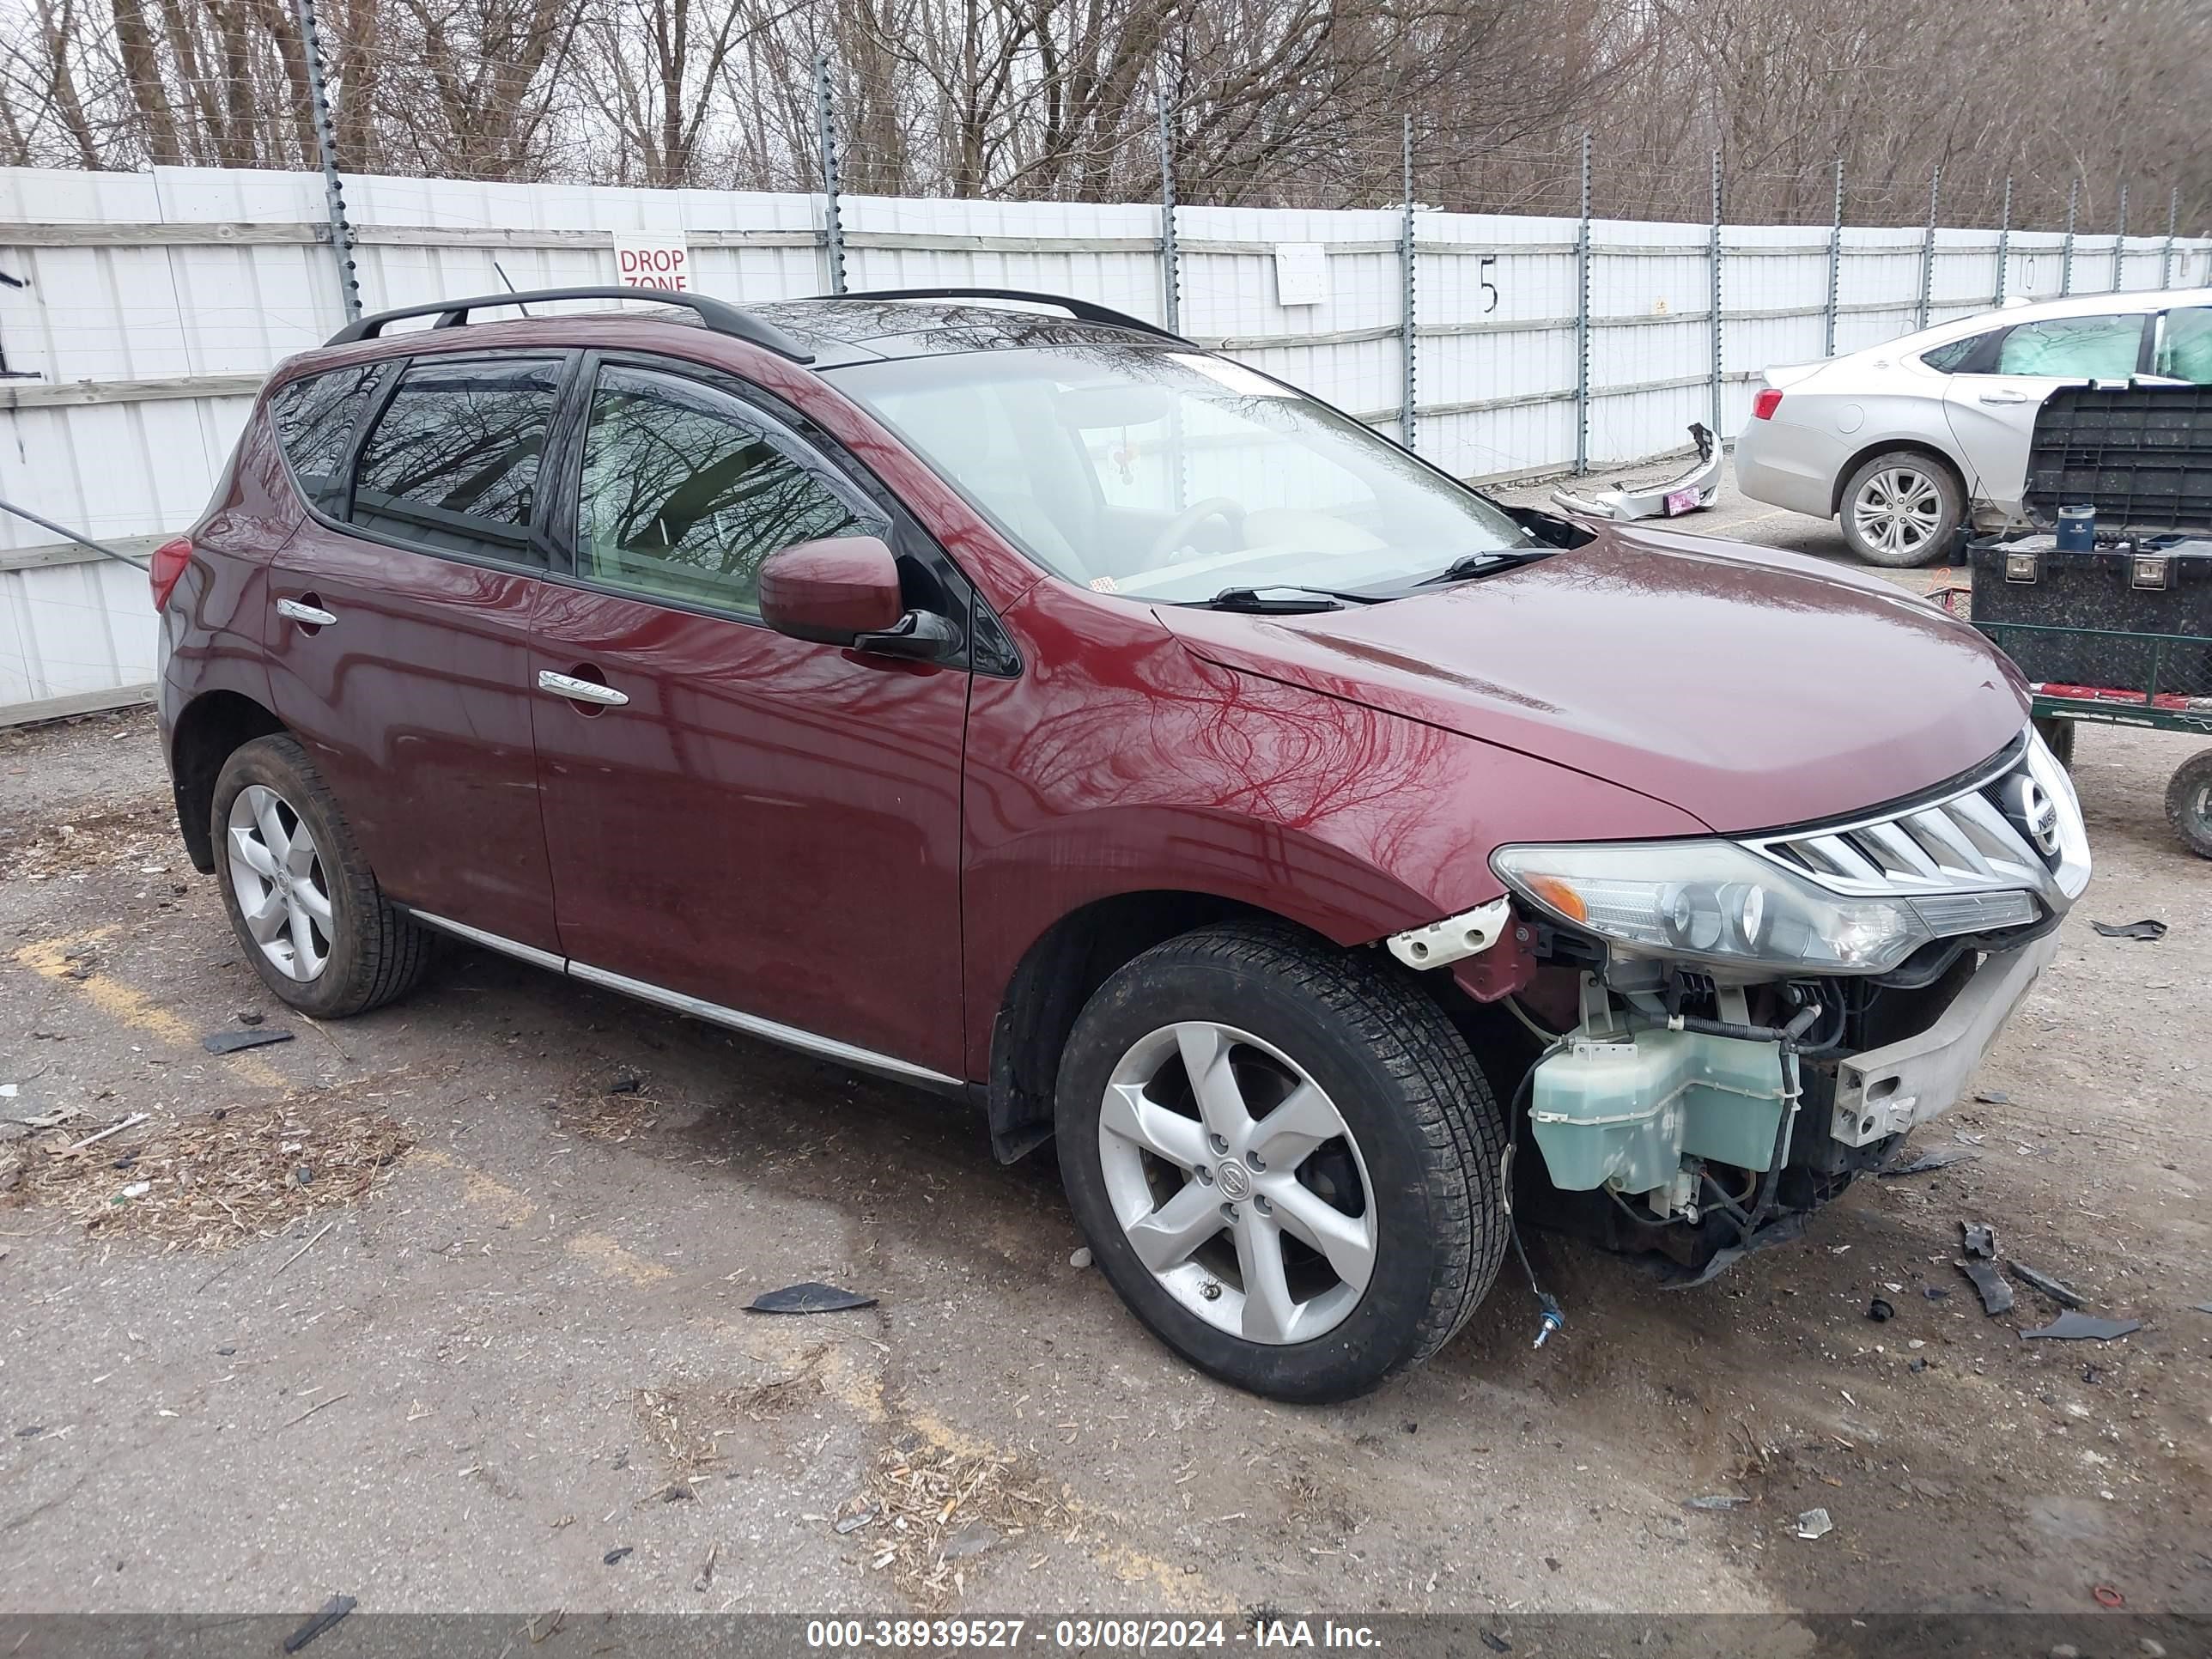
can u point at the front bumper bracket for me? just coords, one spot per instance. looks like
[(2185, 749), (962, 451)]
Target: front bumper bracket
[(1885, 1091)]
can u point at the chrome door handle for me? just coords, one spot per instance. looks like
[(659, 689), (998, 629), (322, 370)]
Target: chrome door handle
[(304, 613), (567, 685), (2003, 397)]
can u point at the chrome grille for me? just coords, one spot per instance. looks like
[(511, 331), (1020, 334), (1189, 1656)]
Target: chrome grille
[(1939, 852)]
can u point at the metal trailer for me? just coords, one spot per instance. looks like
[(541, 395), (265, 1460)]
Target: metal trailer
[(2057, 708)]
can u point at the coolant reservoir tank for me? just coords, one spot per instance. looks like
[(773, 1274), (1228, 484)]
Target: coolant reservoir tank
[(1626, 1109)]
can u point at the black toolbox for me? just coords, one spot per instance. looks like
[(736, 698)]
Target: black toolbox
[(2141, 456)]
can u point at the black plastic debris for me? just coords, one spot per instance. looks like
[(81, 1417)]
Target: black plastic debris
[(627, 1085), (1781, 1230), (333, 1610), (1936, 1157), (2148, 928), (615, 1555), (2056, 1290), (251, 1017), (1495, 1643), (1981, 1239), (1917, 1366), (229, 1042), (2080, 1327), (2201, 1307), (1994, 1097), (1879, 1311), (1996, 1295), (1934, 1292), (807, 1298)]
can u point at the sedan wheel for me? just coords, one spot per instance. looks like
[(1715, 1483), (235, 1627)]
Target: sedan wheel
[(1901, 509), (277, 874), (1236, 1182)]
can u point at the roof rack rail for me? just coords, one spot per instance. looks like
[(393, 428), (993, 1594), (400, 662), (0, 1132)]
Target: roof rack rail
[(1082, 310), (715, 314)]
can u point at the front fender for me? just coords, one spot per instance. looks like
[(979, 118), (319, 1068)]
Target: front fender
[(1123, 763)]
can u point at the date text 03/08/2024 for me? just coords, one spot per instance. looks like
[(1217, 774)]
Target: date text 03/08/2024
[(1082, 1635)]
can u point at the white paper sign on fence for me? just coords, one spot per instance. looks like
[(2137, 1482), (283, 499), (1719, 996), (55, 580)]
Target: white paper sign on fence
[(1300, 274), (653, 262)]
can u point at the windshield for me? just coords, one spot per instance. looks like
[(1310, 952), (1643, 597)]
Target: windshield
[(1173, 475)]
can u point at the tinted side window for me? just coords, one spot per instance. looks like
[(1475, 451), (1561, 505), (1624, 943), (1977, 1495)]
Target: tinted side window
[(686, 490), (2185, 345), (1949, 358), (2070, 348), (314, 421), (452, 462)]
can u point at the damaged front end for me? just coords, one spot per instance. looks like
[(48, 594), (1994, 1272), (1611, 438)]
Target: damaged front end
[(1699, 486), (1738, 1027)]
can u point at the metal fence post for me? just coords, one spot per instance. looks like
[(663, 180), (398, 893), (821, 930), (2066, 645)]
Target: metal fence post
[(2066, 248), (1582, 320), (1713, 261), (2173, 220), (2004, 241), (1169, 281), (1928, 246), (2120, 244), (326, 141), (1405, 317), (825, 132), (1835, 260)]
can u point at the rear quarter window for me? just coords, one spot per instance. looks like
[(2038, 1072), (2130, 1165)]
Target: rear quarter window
[(1949, 358), (315, 420)]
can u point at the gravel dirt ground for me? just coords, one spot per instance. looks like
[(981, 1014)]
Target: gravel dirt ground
[(450, 1315)]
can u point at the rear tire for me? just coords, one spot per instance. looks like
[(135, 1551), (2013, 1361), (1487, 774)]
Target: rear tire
[(311, 918), (1902, 508), (2189, 803), (1327, 1208)]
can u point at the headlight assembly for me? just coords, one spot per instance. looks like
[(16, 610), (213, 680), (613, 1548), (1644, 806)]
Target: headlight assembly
[(1711, 900)]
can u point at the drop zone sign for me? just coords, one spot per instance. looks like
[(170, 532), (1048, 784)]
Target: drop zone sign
[(661, 262)]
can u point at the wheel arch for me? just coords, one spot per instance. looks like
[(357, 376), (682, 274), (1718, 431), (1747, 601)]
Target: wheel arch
[(1058, 975), (213, 726), (1916, 445)]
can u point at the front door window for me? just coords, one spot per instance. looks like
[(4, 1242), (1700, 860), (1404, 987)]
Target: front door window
[(686, 491)]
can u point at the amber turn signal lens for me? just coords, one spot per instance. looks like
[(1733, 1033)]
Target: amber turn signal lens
[(1560, 896)]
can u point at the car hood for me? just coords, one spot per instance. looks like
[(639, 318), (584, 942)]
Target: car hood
[(1750, 689)]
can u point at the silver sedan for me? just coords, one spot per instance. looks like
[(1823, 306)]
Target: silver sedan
[(1905, 442)]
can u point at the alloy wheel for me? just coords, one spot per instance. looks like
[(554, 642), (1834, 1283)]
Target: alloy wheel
[(278, 875), (1898, 510), (1237, 1182)]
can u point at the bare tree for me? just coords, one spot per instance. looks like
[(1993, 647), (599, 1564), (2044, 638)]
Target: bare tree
[(1270, 101)]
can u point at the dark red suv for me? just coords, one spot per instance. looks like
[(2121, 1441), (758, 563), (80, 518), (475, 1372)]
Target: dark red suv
[(1003, 695)]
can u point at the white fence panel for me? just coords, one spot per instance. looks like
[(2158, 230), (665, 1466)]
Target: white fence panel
[(151, 305)]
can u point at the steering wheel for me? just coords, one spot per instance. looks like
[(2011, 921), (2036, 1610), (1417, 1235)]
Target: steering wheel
[(1177, 530)]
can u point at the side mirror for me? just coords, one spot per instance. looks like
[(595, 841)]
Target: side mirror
[(844, 591)]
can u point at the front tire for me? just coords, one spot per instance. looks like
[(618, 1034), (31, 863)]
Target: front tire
[(1902, 508), (1284, 1158), (306, 907)]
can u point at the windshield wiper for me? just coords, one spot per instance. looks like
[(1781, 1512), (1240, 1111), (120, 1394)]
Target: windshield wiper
[(1293, 600), (1485, 564)]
